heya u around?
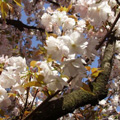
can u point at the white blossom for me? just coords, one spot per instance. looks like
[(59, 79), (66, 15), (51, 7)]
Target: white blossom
[(8, 78), (102, 102), (56, 83), (46, 21), (18, 62), (98, 13), (4, 101), (59, 17), (58, 46), (68, 24)]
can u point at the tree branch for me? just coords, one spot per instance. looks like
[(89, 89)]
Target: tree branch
[(18, 24), (118, 2), (55, 3), (50, 1), (78, 98)]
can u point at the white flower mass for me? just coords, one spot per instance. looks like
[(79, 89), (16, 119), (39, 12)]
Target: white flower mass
[(68, 38)]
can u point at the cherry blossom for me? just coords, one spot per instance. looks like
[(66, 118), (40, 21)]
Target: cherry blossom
[(69, 35)]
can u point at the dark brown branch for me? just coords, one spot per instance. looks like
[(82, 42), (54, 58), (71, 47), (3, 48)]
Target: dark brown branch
[(34, 99), (21, 26), (49, 98), (118, 2), (57, 108), (35, 3), (55, 3), (50, 1), (25, 105)]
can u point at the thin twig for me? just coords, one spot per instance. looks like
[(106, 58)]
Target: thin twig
[(26, 102), (71, 78), (34, 98)]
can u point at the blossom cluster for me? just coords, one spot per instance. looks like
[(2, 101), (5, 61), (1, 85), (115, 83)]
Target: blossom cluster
[(72, 34), (11, 70)]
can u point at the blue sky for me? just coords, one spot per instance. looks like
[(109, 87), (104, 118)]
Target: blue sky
[(24, 20)]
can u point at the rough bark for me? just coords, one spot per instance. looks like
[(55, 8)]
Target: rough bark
[(78, 98)]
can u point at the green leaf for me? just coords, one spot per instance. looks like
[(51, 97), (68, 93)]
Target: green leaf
[(33, 83), (33, 63), (95, 72), (4, 9), (51, 92), (40, 79), (67, 9), (86, 88), (12, 94), (18, 2)]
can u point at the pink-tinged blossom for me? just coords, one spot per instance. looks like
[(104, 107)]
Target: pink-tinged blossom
[(46, 21), (46, 69), (90, 49), (82, 7), (59, 17), (81, 25), (49, 10), (56, 83), (58, 46), (98, 13), (5, 104), (8, 78), (74, 67), (18, 62), (51, 77), (11, 74), (4, 101), (57, 30), (76, 83), (68, 24), (77, 43), (18, 89)]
